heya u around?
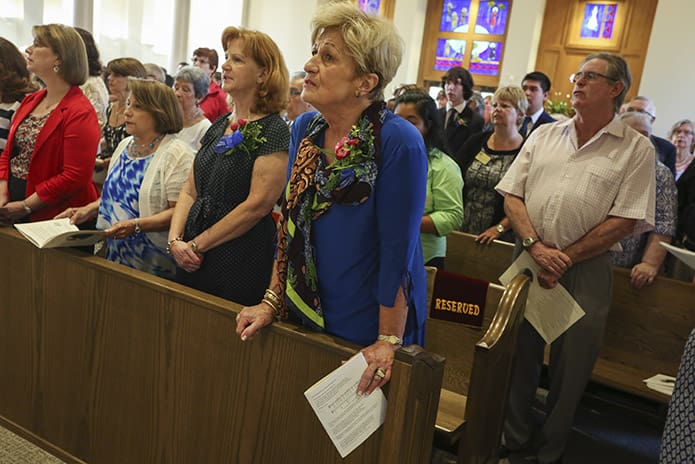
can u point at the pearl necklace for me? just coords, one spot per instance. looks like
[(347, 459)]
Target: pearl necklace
[(145, 149)]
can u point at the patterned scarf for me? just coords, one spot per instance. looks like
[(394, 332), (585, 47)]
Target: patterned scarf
[(312, 188)]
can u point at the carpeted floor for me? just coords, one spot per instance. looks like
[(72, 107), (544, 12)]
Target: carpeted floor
[(16, 450), (609, 428)]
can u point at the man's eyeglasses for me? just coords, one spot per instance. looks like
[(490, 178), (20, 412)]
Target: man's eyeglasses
[(589, 76), (639, 110)]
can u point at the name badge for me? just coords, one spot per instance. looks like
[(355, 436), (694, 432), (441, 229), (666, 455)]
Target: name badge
[(483, 157)]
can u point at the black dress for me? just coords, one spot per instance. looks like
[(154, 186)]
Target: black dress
[(238, 270)]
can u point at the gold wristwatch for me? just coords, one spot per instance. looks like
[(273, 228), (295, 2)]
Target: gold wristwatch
[(392, 339)]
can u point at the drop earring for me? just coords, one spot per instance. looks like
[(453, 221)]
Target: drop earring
[(357, 94)]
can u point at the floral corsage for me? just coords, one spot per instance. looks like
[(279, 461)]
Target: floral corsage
[(460, 122), (245, 137), (354, 156)]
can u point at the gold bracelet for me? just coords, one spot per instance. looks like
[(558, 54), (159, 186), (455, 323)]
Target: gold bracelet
[(171, 242), (392, 339), (272, 296), (276, 311), (194, 246)]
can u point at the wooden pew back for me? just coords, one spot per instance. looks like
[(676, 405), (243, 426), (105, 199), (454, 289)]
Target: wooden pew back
[(455, 341), (478, 370), (646, 330), (105, 364)]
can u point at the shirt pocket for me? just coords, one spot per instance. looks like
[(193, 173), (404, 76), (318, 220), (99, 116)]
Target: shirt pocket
[(598, 186)]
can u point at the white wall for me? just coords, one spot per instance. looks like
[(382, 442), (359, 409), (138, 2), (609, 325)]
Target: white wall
[(287, 23), (669, 69), (409, 20), (523, 36)]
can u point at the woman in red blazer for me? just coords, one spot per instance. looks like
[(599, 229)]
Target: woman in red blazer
[(47, 163)]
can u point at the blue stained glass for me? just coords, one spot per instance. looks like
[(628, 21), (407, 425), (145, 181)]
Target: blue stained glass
[(598, 21), (450, 53), (486, 58), (370, 6), (492, 17), (455, 16)]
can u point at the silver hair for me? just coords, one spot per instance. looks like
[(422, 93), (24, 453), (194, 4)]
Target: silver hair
[(200, 80)]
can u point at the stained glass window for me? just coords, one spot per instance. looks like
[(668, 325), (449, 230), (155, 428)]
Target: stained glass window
[(450, 53), (492, 17), (455, 16), (486, 58), (598, 21)]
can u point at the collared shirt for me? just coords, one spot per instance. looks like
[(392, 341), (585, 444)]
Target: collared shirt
[(535, 116), (568, 190), (444, 202), (665, 217), (459, 108)]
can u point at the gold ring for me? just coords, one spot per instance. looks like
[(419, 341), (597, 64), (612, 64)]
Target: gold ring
[(380, 373)]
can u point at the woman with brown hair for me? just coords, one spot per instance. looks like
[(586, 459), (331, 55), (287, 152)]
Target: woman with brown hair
[(143, 182), (47, 163), (15, 83), (113, 131), (222, 233)]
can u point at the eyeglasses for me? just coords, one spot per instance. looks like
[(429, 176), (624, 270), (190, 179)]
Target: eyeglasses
[(639, 110), (683, 131), (295, 92), (589, 76)]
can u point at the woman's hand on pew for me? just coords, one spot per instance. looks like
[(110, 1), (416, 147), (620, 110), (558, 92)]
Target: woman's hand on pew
[(488, 236), (379, 355), (642, 274), (251, 319)]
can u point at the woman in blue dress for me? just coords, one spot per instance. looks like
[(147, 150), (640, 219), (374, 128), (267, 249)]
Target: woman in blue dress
[(349, 259), (143, 182)]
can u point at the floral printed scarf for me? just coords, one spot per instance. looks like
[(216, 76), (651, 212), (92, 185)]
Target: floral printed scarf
[(312, 188)]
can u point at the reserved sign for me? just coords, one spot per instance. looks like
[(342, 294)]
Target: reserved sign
[(457, 298)]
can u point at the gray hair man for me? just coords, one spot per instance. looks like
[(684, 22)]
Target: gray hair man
[(665, 150), (576, 188)]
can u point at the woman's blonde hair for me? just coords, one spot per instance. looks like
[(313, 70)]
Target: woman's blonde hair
[(272, 94), (68, 45), (514, 95), (160, 101), (371, 42)]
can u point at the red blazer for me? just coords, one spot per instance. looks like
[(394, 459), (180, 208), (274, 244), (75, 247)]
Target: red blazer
[(61, 167)]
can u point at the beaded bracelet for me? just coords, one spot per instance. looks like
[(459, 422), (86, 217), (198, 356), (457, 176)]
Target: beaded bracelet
[(171, 242)]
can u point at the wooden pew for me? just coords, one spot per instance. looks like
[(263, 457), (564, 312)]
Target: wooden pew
[(478, 371), (104, 364), (646, 329)]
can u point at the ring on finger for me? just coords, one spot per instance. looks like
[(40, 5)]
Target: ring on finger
[(380, 373)]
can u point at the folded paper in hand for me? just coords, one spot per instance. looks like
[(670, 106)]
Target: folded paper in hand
[(58, 233), (349, 419)]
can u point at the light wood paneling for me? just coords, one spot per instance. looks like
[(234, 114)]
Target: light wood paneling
[(559, 60)]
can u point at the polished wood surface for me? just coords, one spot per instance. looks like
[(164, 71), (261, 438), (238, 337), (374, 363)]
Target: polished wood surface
[(111, 365), (646, 329), (478, 371)]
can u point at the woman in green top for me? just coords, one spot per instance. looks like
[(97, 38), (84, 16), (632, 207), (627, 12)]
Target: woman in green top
[(444, 204)]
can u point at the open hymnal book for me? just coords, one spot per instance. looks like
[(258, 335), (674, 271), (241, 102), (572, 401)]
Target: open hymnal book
[(58, 233)]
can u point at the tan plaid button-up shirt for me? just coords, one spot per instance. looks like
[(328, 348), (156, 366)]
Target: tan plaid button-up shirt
[(568, 190)]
